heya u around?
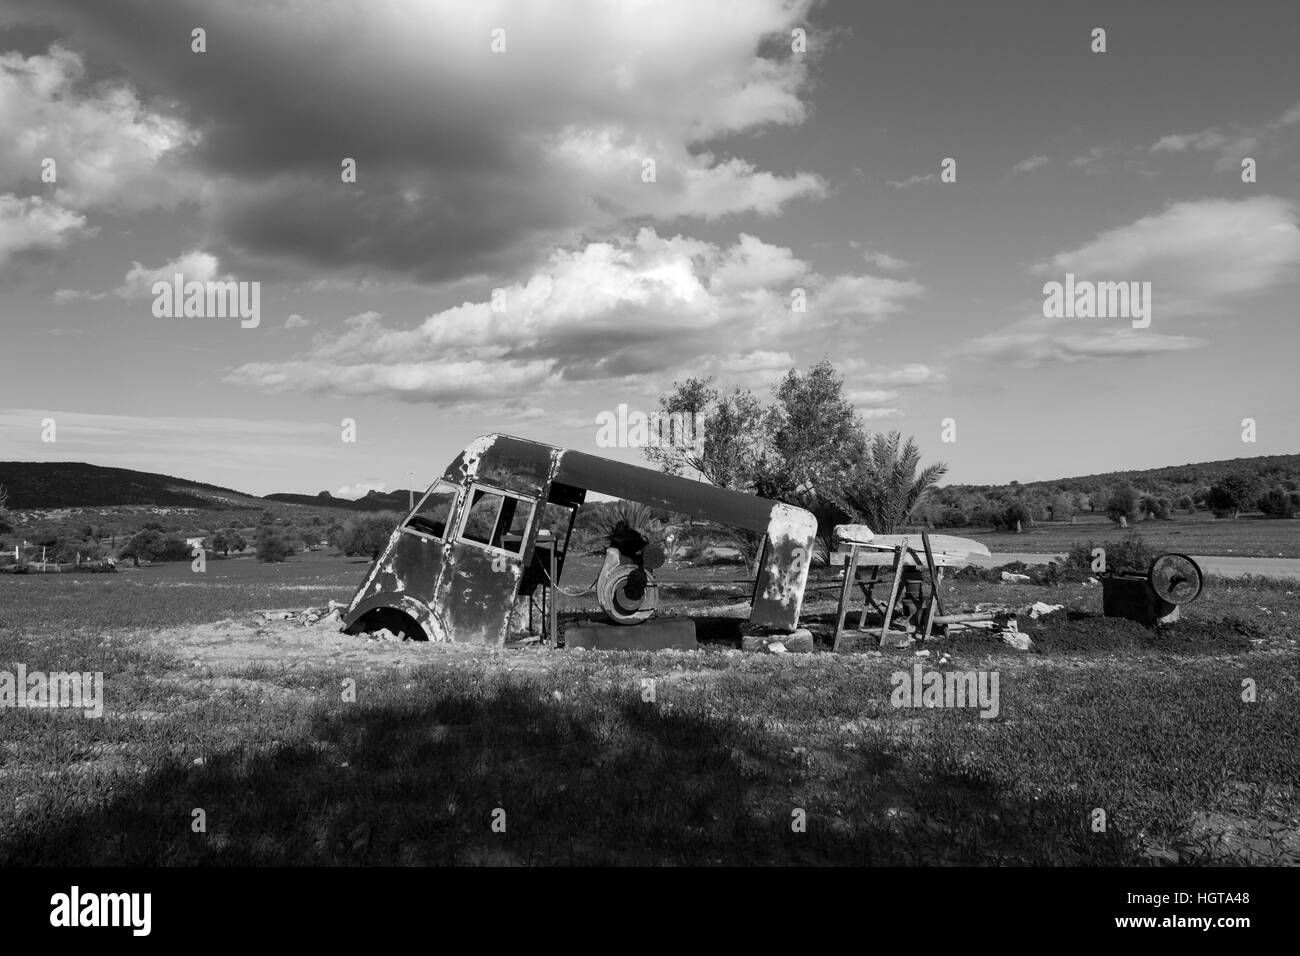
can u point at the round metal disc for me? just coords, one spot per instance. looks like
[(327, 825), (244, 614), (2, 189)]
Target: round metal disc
[(1175, 578)]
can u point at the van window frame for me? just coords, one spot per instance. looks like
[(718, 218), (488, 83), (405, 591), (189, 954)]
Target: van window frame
[(436, 486), (469, 504)]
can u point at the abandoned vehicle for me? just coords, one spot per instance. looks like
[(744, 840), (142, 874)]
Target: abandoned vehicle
[(497, 526)]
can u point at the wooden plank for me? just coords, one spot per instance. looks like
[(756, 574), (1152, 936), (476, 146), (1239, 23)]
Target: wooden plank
[(884, 559), (946, 543), (850, 573), (893, 593)]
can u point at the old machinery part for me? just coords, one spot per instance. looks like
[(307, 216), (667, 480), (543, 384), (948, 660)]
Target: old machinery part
[(627, 592), (1175, 578)]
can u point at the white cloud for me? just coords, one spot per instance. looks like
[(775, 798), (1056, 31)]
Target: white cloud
[(1038, 341), (1199, 256), (194, 266), (641, 306), (296, 321), (902, 376), (106, 145), (1029, 164), (883, 260), (360, 489), (912, 181), (36, 224)]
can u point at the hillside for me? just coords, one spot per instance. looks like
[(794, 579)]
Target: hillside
[(1171, 479), (75, 484)]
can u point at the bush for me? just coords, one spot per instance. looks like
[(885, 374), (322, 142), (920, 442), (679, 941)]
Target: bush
[(1277, 504), (951, 518), (1131, 555), (272, 547), (369, 534), (1017, 517)]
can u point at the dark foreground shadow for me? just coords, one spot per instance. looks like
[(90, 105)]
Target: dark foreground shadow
[(596, 780)]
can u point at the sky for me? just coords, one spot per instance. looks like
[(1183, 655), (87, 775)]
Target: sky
[(500, 261)]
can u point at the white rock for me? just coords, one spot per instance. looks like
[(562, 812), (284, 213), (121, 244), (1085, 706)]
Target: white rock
[(1010, 577), (1039, 608), (776, 647), (1020, 642)]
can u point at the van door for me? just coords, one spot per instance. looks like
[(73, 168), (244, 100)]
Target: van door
[(494, 533)]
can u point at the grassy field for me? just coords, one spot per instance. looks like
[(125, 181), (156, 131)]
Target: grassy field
[(1247, 537), (208, 709)]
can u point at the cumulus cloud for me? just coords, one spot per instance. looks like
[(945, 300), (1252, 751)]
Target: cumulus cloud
[(1199, 256), (468, 160), (106, 145), (35, 225), (296, 321), (639, 306)]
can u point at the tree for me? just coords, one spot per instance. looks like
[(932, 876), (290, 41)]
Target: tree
[(1063, 507), (369, 534), (1185, 503), (1230, 494), (1016, 516), (799, 449), (733, 435), (1276, 503), (272, 546), (141, 545), (885, 485), (1122, 506)]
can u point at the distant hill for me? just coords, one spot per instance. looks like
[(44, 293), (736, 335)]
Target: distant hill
[(1171, 479), (75, 484), (371, 501)]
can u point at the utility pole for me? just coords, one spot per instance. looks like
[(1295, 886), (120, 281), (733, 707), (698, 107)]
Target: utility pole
[(410, 491)]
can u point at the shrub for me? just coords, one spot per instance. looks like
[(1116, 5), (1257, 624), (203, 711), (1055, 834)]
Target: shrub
[(367, 535), (1017, 517), (1277, 504), (951, 518), (272, 546)]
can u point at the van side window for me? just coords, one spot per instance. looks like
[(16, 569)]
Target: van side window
[(497, 520), (434, 510)]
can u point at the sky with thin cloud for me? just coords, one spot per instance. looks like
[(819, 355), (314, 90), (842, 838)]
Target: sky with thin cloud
[(500, 263)]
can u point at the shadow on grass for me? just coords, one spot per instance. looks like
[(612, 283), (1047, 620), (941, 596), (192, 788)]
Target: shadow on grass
[(602, 778)]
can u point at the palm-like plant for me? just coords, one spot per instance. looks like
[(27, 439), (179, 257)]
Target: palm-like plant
[(885, 486)]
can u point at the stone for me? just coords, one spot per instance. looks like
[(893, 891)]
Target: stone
[(799, 641), (1019, 641), (776, 647), (1010, 577)]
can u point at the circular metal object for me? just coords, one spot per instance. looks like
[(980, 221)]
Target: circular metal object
[(1175, 578), (627, 594)]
